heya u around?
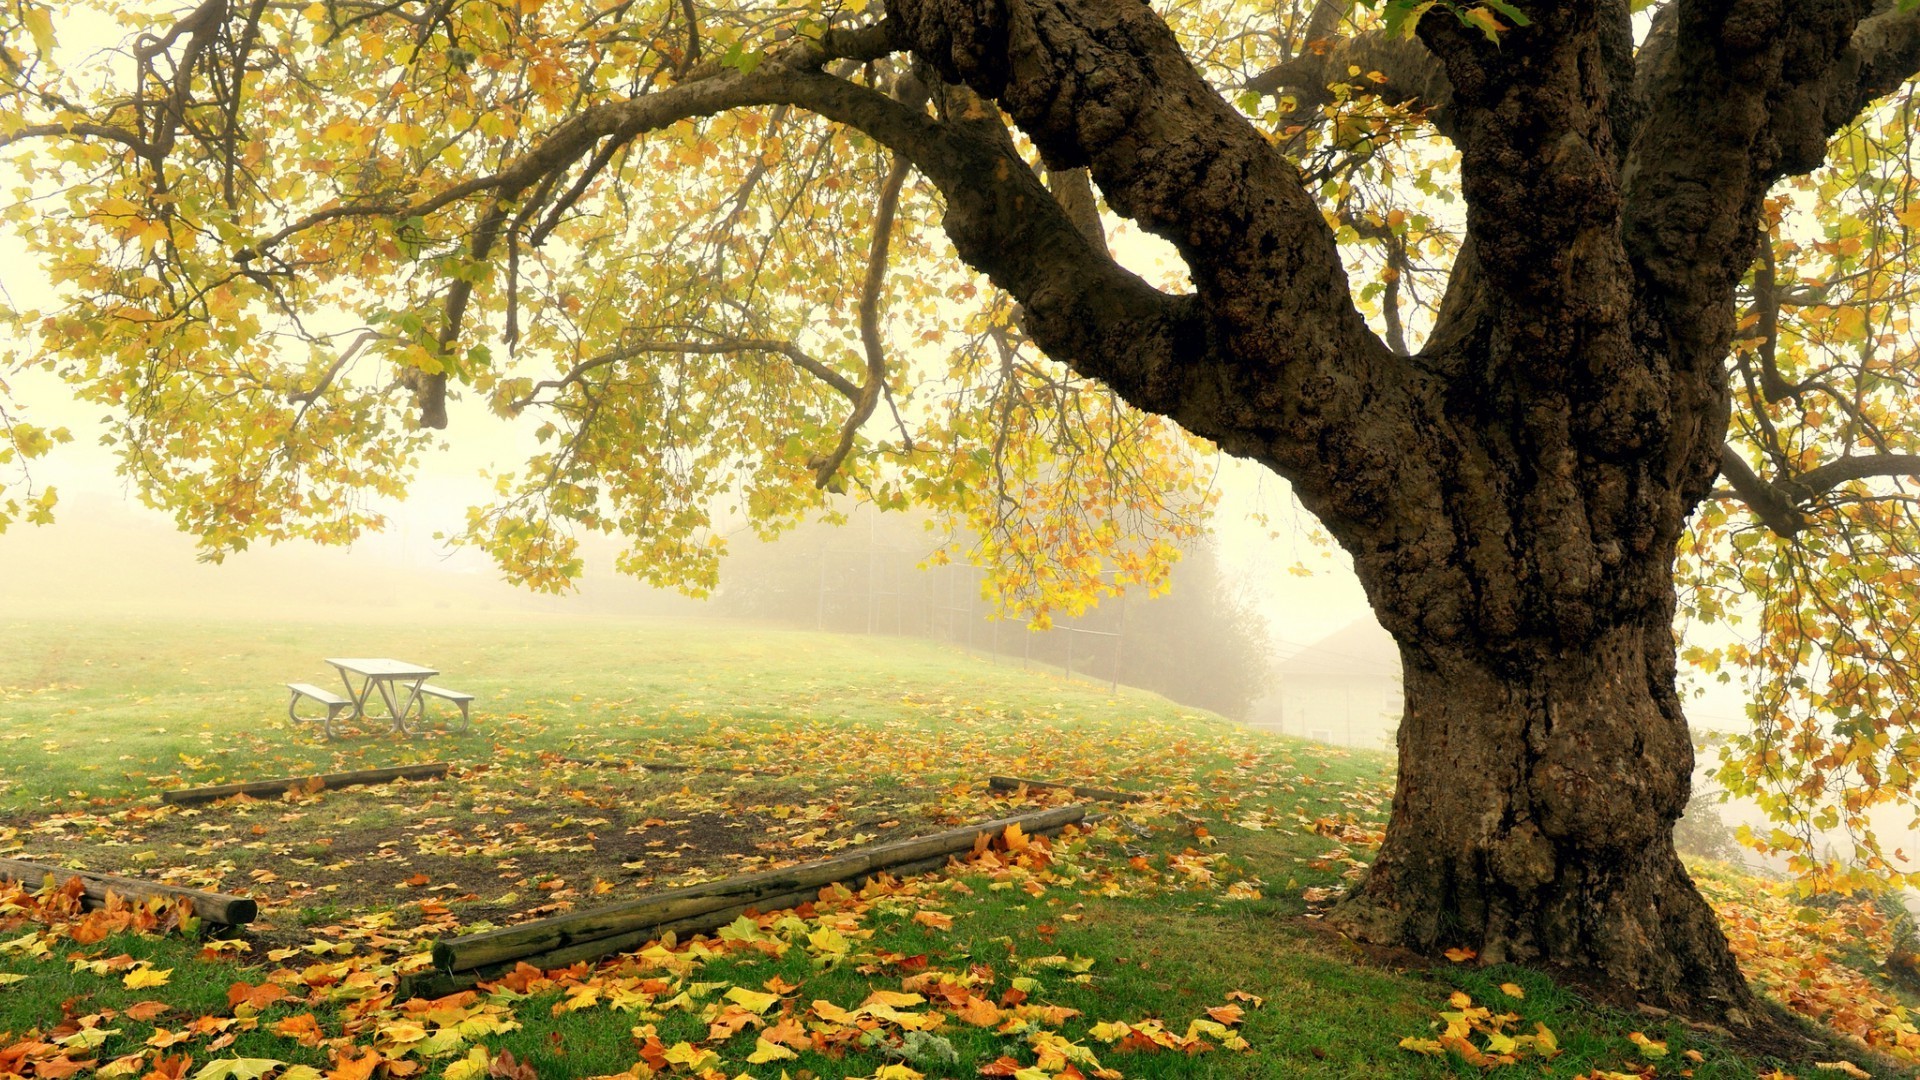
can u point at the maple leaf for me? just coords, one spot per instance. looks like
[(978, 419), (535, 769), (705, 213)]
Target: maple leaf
[(979, 1012), (346, 1067), (893, 999), (505, 1067), (764, 1051), (834, 1014), (302, 1028), (686, 1055), (241, 995), (752, 1000), (1652, 1048), (144, 977), (237, 1069), (472, 1067)]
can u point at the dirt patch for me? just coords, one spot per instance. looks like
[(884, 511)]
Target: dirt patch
[(489, 846)]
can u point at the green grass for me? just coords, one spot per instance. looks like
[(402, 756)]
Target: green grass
[(98, 714)]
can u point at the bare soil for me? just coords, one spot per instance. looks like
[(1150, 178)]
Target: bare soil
[(481, 847)]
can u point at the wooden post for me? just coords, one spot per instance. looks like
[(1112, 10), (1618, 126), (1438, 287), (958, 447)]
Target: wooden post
[(209, 906), (585, 935), (288, 783)]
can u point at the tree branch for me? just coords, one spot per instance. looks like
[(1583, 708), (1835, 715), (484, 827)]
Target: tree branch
[(1107, 86), (1781, 505), (576, 376), (870, 338)]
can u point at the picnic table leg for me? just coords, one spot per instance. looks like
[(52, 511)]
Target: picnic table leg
[(359, 696), (386, 695), (414, 699)]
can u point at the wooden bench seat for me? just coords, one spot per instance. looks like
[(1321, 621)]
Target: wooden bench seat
[(457, 697), (334, 704)]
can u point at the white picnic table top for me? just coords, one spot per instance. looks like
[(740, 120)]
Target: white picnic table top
[(382, 667)]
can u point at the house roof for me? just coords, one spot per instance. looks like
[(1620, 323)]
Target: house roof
[(1362, 647)]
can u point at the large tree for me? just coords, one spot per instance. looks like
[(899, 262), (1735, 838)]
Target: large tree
[(281, 234)]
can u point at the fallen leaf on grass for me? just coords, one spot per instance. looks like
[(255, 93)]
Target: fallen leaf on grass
[(764, 1051), (237, 1069), (752, 1000), (1652, 1048)]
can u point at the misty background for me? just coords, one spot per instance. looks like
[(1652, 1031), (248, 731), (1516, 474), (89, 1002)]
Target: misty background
[(1265, 622)]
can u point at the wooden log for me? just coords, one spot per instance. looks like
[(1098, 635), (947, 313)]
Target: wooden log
[(440, 983), (211, 907), (657, 766), (645, 917), (1014, 783), (288, 783)]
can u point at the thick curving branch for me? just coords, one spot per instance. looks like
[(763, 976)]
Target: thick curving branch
[(1782, 505)]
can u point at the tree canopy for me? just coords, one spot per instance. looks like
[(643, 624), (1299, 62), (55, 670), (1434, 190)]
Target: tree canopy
[(1505, 289)]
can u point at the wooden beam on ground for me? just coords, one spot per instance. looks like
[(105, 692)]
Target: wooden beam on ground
[(289, 783), (1015, 783), (211, 907), (657, 766), (599, 932)]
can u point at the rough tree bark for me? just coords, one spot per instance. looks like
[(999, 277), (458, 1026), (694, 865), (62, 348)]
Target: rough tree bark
[(1513, 494)]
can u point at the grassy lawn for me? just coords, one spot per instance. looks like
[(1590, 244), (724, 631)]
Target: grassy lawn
[(1173, 938)]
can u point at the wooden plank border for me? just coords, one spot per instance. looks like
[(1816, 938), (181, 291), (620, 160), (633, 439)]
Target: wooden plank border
[(1015, 783), (211, 907), (592, 934), (288, 783)]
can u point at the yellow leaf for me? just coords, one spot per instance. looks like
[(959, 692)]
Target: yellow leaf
[(147, 977), (752, 999), (692, 1057), (1652, 1048), (1512, 990), (764, 1051), (40, 24)]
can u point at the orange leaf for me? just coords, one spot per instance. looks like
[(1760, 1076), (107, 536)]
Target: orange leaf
[(346, 1068)]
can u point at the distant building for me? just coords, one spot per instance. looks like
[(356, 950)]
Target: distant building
[(1343, 689)]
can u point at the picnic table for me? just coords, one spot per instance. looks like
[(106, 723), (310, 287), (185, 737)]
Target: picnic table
[(397, 682), (402, 687)]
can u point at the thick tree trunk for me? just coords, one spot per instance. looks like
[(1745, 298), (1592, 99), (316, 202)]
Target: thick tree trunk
[(1533, 821), (1513, 493)]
